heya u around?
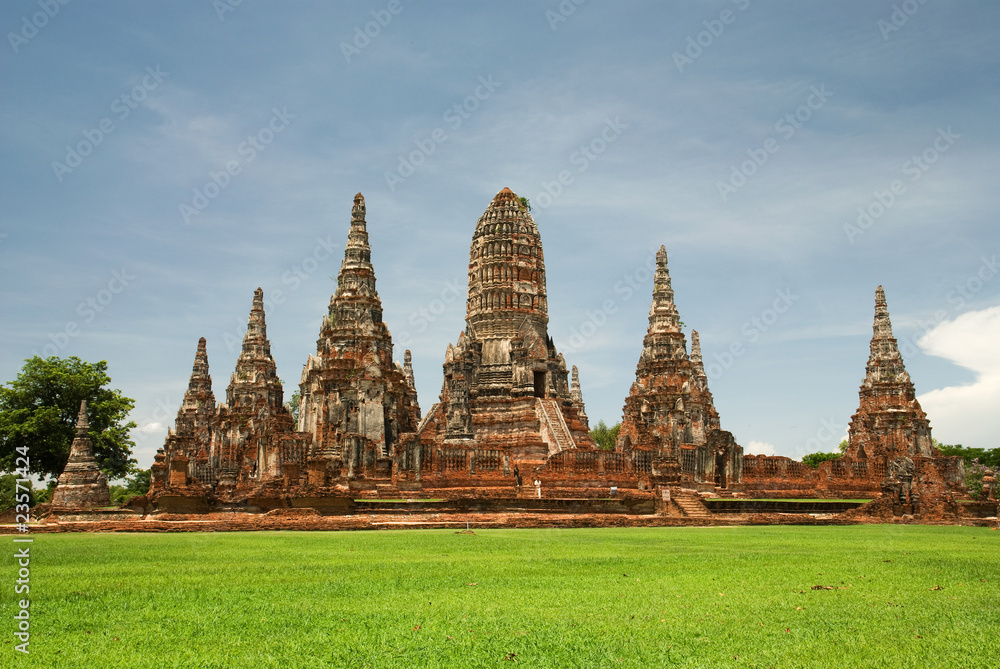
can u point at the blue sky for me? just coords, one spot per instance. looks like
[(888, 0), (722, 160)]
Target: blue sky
[(162, 160)]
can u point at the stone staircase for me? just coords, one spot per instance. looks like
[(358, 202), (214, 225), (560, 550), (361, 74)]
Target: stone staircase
[(690, 505), (554, 428)]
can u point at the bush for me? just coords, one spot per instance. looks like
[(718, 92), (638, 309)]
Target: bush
[(813, 459), (8, 492), (605, 436)]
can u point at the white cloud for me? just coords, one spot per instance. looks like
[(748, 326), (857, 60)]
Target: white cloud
[(967, 414), (152, 428), (758, 448)]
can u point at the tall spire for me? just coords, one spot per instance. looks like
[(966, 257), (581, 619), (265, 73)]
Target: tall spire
[(256, 327), (199, 392), (663, 316), (256, 376), (82, 424), (575, 393), (889, 421), (696, 361), (885, 363), (357, 276), (408, 368)]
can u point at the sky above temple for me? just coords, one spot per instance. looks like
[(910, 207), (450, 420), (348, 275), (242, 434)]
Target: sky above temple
[(162, 160)]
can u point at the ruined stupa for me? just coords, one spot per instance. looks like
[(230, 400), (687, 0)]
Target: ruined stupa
[(81, 484)]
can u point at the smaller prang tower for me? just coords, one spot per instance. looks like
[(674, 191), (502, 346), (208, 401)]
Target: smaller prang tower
[(355, 401), (669, 413)]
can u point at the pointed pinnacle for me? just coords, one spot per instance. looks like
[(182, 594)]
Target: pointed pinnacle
[(82, 424), (695, 347), (881, 307)]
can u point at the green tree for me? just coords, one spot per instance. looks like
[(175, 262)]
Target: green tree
[(990, 457), (605, 436), (8, 492), (813, 459), (977, 461), (38, 412), (293, 407), (842, 446), (44, 495), (526, 203)]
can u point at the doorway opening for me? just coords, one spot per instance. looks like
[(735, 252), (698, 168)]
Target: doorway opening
[(539, 384)]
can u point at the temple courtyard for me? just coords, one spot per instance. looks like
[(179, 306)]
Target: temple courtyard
[(739, 596)]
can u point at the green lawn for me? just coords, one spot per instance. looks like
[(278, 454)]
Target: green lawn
[(650, 597)]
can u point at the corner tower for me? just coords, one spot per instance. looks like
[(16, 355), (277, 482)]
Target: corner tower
[(355, 401), (889, 422), (669, 412)]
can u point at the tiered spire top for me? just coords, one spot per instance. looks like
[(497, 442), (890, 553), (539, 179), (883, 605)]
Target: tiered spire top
[(575, 393), (256, 324), (81, 454), (506, 270), (357, 276), (82, 423), (255, 366), (696, 361), (199, 391), (408, 368), (885, 363), (663, 317), (201, 381)]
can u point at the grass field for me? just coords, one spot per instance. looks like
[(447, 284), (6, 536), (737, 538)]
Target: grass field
[(902, 596)]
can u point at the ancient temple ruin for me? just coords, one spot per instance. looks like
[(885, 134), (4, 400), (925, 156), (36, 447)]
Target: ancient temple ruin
[(511, 412), (81, 484), (889, 442), (669, 416)]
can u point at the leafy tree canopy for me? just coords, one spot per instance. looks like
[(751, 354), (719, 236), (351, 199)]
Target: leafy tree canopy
[(605, 436), (38, 413), (135, 485), (813, 459), (9, 492), (990, 457)]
